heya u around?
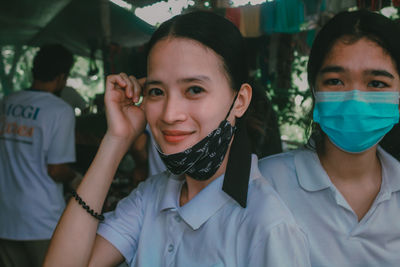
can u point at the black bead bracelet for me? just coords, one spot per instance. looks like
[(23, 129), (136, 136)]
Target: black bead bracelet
[(99, 217)]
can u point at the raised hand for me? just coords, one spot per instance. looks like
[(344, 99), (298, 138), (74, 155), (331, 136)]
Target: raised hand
[(125, 120)]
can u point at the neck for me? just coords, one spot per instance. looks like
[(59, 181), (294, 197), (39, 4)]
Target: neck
[(344, 166), (192, 186), (43, 86)]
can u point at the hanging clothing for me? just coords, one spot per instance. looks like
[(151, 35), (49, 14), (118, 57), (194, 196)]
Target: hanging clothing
[(267, 20), (233, 14), (289, 16), (250, 21)]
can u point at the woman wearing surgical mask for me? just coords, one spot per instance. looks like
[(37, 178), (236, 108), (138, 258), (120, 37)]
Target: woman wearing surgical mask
[(343, 189), (212, 207)]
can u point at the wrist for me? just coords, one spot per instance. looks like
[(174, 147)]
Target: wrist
[(115, 147)]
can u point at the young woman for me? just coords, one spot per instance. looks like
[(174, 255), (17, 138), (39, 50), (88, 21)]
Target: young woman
[(344, 190), (212, 207)]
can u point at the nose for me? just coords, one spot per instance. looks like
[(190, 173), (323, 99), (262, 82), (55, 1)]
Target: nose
[(356, 85), (174, 110), (356, 82)]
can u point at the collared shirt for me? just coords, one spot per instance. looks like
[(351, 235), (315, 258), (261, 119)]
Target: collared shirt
[(149, 227), (336, 236)]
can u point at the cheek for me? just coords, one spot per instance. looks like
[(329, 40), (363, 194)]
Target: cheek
[(152, 112), (210, 116)]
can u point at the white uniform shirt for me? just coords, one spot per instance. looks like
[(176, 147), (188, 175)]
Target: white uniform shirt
[(36, 129), (335, 235), (149, 227)]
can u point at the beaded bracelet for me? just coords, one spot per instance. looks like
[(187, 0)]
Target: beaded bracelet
[(99, 217)]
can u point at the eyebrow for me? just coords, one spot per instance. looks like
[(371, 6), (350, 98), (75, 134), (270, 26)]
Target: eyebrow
[(380, 73), (151, 82), (374, 72), (199, 78), (331, 68)]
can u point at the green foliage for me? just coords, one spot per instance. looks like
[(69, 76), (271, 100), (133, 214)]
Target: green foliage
[(15, 68), (87, 86), (292, 105)]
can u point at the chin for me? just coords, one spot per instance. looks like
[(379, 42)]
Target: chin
[(173, 149)]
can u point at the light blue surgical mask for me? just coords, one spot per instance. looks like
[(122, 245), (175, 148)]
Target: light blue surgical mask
[(356, 120)]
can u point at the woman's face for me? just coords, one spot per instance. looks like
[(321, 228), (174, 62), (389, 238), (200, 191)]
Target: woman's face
[(187, 93), (362, 65)]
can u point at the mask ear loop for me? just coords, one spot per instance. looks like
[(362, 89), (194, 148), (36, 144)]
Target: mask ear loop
[(233, 103)]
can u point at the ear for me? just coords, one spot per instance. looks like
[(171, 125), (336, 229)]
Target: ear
[(243, 100)]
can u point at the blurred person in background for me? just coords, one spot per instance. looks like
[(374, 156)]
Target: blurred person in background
[(36, 144)]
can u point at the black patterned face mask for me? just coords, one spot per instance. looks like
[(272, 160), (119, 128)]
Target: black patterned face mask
[(202, 160)]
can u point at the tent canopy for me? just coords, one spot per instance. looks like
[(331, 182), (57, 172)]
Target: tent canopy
[(80, 25)]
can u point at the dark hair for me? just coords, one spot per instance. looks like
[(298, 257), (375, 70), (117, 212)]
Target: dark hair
[(50, 61), (352, 26), (215, 32), (224, 38)]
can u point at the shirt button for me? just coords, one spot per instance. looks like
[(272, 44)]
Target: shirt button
[(178, 218), (170, 248)]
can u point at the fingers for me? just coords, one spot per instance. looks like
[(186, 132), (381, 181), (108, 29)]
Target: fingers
[(115, 79), (137, 88), (131, 86)]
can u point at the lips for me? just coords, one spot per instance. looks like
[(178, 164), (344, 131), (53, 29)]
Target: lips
[(175, 136)]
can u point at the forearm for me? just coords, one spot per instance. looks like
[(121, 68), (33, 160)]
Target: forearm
[(74, 237)]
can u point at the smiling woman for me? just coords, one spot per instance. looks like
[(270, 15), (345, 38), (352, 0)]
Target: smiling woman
[(212, 207)]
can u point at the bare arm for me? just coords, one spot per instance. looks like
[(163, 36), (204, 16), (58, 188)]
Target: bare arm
[(74, 240), (102, 248)]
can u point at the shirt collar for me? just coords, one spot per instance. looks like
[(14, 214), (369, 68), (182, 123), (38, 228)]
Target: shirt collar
[(312, 176), (310, 173), (390, 171), (205, 204), (171, 193)]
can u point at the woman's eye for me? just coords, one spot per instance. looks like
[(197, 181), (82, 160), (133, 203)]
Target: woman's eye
[(155, 92), (195, 90), (333, 82), (377, 84)]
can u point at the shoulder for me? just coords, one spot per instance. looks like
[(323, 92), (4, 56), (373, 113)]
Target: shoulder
[(47, 101), (59, 109), (270, 226), (268, 164), (265, 206), (146, 195), (150, 191), (278, 166), (59, 103), (153, 184)]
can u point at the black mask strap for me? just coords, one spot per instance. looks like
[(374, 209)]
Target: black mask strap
[(233, 103), (237, 175)]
